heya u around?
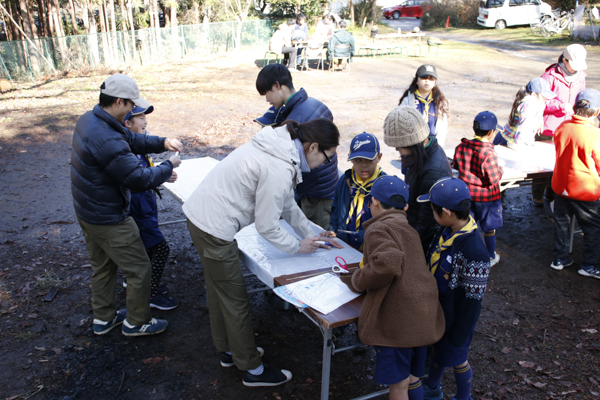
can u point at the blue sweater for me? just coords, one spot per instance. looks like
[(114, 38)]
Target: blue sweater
[(468, 263), (340, 209)]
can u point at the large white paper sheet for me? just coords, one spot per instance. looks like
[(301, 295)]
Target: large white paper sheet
[(189, 175), (324, 293), (266, 261)]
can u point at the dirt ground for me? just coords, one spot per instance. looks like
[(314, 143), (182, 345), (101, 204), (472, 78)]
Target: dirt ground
[(537, 336)]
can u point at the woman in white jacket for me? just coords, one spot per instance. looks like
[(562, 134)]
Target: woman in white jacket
[(424, 94), (255, 183)]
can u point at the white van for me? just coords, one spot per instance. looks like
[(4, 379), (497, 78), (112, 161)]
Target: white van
[(502, 13)]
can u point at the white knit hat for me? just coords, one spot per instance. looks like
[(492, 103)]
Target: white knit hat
[(404, 127)]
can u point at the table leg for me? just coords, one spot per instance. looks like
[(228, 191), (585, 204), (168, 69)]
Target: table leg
[(327, 350)]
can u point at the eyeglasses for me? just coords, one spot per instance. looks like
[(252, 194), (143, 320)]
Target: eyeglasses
[(427, 78), (327, 159)]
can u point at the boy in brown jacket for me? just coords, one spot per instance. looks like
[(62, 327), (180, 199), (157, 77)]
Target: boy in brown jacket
[(401, 313)]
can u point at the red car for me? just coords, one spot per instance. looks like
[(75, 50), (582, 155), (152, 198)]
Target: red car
[(409, 8)]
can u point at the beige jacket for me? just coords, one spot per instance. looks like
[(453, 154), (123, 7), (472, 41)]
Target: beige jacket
[(255, 183)]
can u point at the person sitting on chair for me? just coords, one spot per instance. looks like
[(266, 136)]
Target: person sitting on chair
[(281, 43), (342, 36)]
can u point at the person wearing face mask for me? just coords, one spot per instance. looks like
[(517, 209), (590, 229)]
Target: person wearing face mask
[(425, 95), (423, 163), (566, 79), (255, 183)]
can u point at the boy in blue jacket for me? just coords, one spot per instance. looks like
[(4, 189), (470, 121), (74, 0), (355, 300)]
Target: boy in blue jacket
[(144, 211), (315, 193), (460, 263), (351, 206)]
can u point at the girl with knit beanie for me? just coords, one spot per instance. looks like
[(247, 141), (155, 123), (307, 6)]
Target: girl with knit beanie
[(423, 163), (426, 97)]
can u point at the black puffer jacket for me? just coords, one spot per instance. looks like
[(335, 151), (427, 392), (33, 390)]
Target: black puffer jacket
[(420, 215), (104, 169)]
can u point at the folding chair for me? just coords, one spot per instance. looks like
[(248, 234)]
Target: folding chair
[(315, 51), (340, 48), (267, 58)]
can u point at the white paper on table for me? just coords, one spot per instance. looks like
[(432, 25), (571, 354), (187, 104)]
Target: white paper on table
[(324, 293)]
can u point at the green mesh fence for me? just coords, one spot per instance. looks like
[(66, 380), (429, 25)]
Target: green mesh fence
[(19, 60)]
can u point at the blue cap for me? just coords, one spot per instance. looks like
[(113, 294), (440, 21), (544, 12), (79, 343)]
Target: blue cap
[(138, 111), (540, 85), (364, 145), (270, 117), (591, 95), (387, 186), (486, 121), (448, 193)]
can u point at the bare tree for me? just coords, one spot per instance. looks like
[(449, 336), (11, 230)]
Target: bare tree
[(238, 9), (73, 16)]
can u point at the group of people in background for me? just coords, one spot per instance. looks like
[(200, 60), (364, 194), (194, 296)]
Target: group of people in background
[(425, 263), (293, 41)]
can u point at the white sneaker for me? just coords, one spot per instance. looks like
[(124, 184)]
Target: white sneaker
[(495, 260)]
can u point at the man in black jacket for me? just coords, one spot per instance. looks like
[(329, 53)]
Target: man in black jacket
[(103, 171)]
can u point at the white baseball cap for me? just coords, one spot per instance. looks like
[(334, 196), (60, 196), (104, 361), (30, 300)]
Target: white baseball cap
[(123, 87), (576, 53)]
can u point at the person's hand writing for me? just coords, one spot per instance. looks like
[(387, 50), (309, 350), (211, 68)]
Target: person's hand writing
[(308, 245), (335, 244), (173, 145), (173, 177), (175, 160)]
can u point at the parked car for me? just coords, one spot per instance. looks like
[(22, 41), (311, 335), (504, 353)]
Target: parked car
[(409, 8), (502, 13)]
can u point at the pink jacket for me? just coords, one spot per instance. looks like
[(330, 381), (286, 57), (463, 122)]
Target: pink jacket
[(557, 109)]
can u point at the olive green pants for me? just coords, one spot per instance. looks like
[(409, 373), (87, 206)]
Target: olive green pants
[(228, 306), (317, 210), (112, 246)]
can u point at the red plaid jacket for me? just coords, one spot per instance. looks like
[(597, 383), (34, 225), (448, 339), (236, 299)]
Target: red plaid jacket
[(477, 165)]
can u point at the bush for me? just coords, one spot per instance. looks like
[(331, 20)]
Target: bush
[(462, 13)]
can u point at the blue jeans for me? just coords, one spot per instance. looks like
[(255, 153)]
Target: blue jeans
[(588, 217)]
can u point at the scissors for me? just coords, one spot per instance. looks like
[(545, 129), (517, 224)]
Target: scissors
[(341, 268)]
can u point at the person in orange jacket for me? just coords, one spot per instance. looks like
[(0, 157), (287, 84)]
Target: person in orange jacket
[(576, 182)]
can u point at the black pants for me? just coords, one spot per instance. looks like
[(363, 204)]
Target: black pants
[(588, 217)]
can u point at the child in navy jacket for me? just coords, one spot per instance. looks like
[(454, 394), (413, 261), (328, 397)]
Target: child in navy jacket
[(459, 261), (144, 211), (352, 200)]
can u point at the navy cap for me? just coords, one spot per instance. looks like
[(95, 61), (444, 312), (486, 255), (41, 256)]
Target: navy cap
[(387, 186), (591, 95), (364, 145), (486, 121), (448, 193), (138, 111), (269, 118), (540, 85)]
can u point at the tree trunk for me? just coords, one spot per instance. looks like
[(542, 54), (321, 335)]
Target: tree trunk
[(196, 13), (374, 13), (133, 45), (113, 22), (6, 29), (57, 18), (85, 17), (73, 17), (156, 10), (124, 17), (43, 19), (34, 30), (173, 17), (151, 10), (206, 17), (34, 56), (351, 7)]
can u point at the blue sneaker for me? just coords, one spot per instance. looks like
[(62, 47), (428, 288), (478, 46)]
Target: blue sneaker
[(432, 394), (560, 263), (163, 302), (102, 327), (153, 327), (589, 270)]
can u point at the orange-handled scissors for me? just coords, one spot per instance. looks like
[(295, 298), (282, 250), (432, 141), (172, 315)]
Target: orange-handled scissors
[(342, 267)]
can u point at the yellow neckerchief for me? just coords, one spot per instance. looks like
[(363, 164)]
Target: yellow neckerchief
[(480, 139), (426, 102), (149, 160), (442, 245), (363, 188)]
